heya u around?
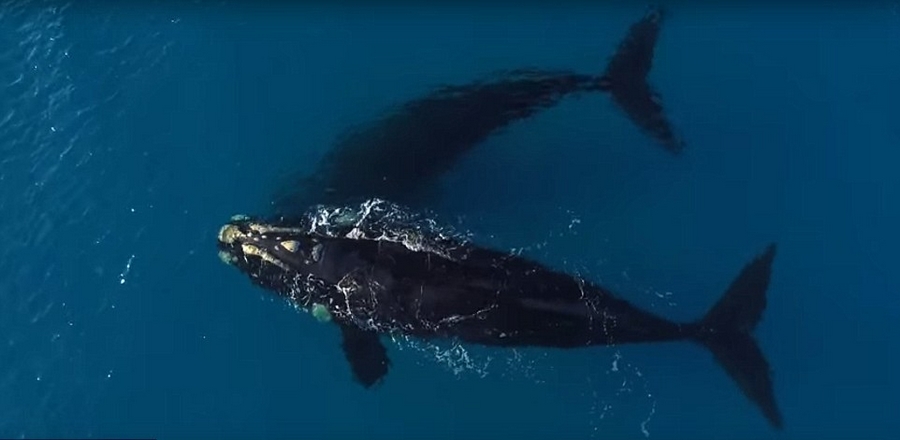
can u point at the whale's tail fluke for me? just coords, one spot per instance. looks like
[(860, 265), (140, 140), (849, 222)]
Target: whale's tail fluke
[(625, 78), (726, 331)]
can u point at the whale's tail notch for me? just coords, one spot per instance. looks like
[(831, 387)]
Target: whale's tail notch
[(726, 331)]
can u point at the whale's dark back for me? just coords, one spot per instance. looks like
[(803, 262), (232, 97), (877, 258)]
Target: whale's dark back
[(487, 297), (400, 156)]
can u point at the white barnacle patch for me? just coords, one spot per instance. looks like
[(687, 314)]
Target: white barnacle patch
[(320, 312), (291, 245), (250, 249), (265, 229), (268, 257), (229, 234), (227, 258), (256, 227)]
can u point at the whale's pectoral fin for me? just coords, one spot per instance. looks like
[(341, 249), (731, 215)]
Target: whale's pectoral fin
[(366, 354)]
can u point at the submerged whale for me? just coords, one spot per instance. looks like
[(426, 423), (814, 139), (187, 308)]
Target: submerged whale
[(400, 156), (371, 275)]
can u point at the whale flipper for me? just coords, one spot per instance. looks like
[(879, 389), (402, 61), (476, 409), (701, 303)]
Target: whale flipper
[(366, 354), (726, 329), (626, 80)]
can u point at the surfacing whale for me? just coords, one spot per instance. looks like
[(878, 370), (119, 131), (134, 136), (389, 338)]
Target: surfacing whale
[(372, 272), (400, 156)]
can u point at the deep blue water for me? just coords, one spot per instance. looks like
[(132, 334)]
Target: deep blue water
[(129, 132)]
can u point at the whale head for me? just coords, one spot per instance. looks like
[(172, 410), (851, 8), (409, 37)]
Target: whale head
[(275, 257)]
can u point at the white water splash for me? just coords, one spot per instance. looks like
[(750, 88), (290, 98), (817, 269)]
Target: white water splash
[(127, 269)]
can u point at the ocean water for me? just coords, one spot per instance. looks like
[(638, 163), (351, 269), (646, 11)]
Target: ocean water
[(130, 131)]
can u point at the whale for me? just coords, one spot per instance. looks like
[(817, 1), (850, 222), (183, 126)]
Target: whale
[(401, 156), (375, 279)]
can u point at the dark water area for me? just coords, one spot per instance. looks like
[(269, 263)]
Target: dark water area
[(131, 131)]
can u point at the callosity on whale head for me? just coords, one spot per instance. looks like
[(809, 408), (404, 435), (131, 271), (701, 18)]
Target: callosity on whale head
[(272, 256)]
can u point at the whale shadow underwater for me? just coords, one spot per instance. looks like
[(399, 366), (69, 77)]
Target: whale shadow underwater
[(401, 156), (372, 272)]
